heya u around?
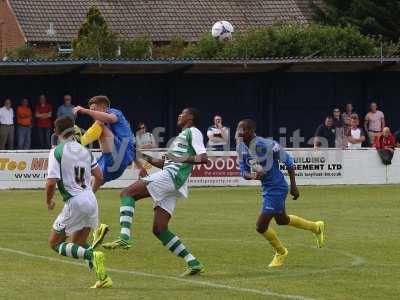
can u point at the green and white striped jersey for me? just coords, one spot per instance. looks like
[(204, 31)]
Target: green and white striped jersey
[(72, 164), (188, 143)]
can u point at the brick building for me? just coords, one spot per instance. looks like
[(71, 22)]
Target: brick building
[(52, 24)]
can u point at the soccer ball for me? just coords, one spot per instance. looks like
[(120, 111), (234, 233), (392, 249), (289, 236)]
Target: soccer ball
[(222, 30)]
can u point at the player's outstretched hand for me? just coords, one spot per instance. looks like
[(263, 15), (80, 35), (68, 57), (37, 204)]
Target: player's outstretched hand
[(51, 205), (78, 109), (259, 175), (294, 191), (142, 172)]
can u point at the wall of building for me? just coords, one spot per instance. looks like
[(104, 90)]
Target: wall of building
[(11, 36)]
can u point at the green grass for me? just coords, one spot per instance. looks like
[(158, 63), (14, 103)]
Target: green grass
[(360, 261)]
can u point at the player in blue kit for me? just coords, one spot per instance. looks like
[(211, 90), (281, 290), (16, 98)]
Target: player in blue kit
[(115, 137), (259, 160), (114, 134)]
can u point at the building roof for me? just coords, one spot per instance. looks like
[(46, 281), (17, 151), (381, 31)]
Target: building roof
[(201, 66), (159, 19)]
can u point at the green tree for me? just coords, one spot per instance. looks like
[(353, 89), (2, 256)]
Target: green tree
[(371, 17), (139, 47), (95, 40)]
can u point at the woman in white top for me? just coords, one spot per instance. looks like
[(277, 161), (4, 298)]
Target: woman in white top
[(144, 139), (355, 135)]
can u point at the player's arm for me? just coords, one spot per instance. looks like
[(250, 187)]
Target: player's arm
[(157, 162), (97, 178), (197, 159), (50, 191), (287, 159), (97, 115), (53, 176)]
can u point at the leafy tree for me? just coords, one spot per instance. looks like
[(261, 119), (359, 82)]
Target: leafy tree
[(139, 47), (94, 39), (371, 17)]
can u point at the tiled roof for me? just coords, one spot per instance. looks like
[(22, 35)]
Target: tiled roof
[(159, 19)]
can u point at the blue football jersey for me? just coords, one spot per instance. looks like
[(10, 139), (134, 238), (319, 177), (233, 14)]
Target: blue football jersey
[(122, 130), (265, 155)]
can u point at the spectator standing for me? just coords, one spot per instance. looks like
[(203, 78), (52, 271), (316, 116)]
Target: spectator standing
[(374, 122), (67, 109), (7, 126), (355, 135), (346, 116), (325, 135), (385, 144), (144, 139), (43, 114), (24, 125), (340, 139), (218, 135)]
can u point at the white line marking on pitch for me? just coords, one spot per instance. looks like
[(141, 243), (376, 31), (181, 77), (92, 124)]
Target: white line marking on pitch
[(356, 261), (265, 292)]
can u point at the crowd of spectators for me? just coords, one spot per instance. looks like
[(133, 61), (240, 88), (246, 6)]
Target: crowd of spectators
[(343, 130), (339, 130), (19, 124)]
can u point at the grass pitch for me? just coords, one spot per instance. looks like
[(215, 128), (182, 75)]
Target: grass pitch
[(360, 261)]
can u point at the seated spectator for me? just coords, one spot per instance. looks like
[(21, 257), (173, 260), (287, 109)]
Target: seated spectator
[(355, 135), (325, 135), (24, 125), (7, 126), (385, 144), (218, 135), (67, 108), (340, 140), (144, 139), (43, 114), (374, 122)]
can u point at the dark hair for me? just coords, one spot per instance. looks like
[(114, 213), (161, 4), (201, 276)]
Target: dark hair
[(250, 123), (195, 114), (140, 125), (64, 126), (100, 100), (329, 117)]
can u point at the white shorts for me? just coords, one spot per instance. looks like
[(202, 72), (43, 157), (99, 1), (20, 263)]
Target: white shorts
[(162, 190), (79, 212)]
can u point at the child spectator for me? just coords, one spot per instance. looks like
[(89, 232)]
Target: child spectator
[(355, 134)]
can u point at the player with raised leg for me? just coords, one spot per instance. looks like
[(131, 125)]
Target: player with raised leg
[(165, 187), (70, 167), (115, 137), (259, 160)]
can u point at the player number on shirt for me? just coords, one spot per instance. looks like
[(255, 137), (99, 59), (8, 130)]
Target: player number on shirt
[(80, 176)]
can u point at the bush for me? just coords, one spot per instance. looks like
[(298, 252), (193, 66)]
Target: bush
[(174, 49), (136, 48), (23, 52), (284, 40)]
